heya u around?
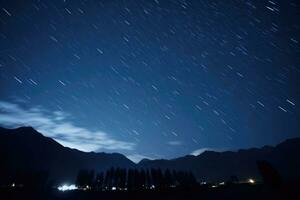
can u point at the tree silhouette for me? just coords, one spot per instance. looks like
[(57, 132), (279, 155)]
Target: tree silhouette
[(109, 178), (85, 178), (148, 180), (99, 181), (269, 174), (123, 178), (142, 179), (168, 179), (130, 179), (135, 179), (233, 180)]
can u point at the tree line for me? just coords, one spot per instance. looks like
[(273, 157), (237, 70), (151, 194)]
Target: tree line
[(135, 179), (131, 179)]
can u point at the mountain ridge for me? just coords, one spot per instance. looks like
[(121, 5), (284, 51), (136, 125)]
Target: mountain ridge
[(217, 166), (26, 148)]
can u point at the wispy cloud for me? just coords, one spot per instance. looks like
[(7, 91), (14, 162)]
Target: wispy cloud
[(56, 125), (175, 143), (138, 157), (199, 151)]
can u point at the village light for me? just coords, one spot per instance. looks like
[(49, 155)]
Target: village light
[(67, 187), (152, 187), (252, 181)]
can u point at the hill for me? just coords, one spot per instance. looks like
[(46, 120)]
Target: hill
[(220, 166), (28, 150)]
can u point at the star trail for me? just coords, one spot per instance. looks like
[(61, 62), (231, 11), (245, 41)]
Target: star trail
[(152, 78)]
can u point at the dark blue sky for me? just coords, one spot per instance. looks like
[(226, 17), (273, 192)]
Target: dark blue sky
[(155, 78)]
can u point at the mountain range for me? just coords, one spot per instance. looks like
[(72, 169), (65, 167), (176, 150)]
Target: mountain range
[(26, 149)]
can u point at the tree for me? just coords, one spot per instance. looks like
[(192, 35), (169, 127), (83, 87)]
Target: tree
[(135, 179), (148, 181), (85, 178), (233, 179), (130, 179), (142, 179), (123, 178), (168, 178), (269, 174), (99, 181), (109, 180)]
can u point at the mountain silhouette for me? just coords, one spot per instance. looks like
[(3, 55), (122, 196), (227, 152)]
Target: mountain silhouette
[(26, 149), (220, 166)]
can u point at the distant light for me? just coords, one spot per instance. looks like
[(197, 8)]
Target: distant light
[(252, 181), (13, 185), (87, 187), (152, 187), (67, 187), (222, 183), (113, 188), (214, 186)]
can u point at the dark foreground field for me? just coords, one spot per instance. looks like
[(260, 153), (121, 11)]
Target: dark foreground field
[(227, 192)]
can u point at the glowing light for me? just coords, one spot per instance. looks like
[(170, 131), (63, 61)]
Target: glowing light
[(252, 181), (13, 185), (67, 187), (152, 187), (113, 188)]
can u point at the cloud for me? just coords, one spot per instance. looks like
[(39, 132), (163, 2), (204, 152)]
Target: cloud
[(175, 143), (138, 157), (56, 125), (199, 151)]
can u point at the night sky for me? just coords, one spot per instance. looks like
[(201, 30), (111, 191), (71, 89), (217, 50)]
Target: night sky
[(152, 78)]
